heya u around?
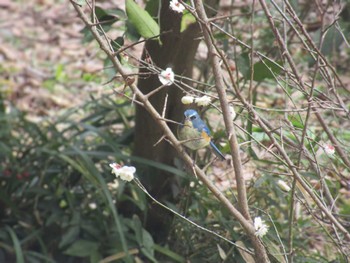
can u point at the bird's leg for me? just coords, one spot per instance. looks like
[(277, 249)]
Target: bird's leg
[(194, 170), (195, 158)]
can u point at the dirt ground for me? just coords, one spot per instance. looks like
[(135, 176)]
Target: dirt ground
[(44, 65)]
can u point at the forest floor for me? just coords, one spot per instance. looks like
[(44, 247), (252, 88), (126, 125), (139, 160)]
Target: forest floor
[(45, 67)]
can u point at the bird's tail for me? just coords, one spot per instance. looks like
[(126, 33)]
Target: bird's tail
[(217, 151)]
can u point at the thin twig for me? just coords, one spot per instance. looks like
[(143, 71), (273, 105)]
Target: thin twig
[(139, 184), (230, 129), (104, 44)]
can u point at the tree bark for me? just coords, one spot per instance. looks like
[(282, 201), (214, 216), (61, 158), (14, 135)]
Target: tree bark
[(176, 51)]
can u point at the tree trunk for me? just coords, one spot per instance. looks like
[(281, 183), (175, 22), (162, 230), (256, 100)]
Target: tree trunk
[(177, 50)]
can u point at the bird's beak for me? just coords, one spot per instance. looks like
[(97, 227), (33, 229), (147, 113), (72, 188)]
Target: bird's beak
[(187, 122)]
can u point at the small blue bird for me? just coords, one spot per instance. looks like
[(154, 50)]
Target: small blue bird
[(196, 133)]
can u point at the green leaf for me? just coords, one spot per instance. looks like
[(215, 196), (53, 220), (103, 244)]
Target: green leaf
[(243, 64), (69, 236), (260, 136), (109, 69), (137, 226), (266, 70), (82, 248), (297, 123), (34, 257), (332, 41), (275, 250), (186, 20), (143, 238), (88, 37), (137, 198), (16, 244), (117, 43), (107, 15), (167, 252), (147, 241), (343, 135), (131, 32), (152, 7), (141, 19), (59, 73), (95, 256), (262, 70), (148, 245)]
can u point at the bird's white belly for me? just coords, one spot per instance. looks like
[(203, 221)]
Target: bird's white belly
[(192, 138)]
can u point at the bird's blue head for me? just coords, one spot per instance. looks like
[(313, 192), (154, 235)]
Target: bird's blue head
[(191, 114), (193, 119)]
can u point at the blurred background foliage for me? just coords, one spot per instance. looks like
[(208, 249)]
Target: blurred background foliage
[(60, 127)]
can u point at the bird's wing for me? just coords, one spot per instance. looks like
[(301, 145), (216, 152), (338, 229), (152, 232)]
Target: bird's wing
[(201, 126), (206, 129)]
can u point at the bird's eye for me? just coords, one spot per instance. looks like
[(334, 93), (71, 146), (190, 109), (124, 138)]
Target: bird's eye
[(193, 117)]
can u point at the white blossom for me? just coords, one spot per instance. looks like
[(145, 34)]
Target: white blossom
[(329, 149), (260, 227), (283, 185), (187, 99), (125, 173), (113, 185), (92, 206), (232, 112), (167, 77), (203, 101), (176, 6)]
